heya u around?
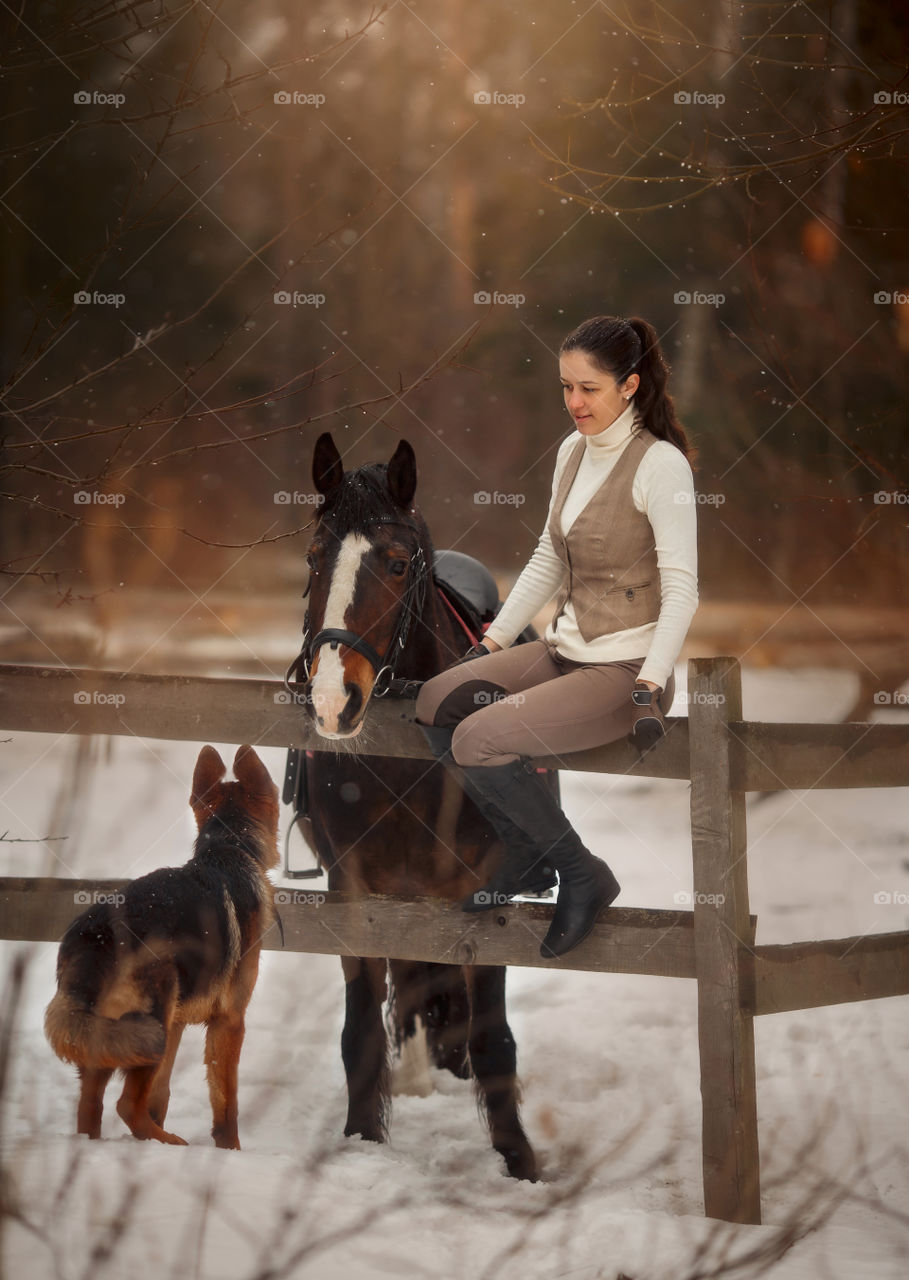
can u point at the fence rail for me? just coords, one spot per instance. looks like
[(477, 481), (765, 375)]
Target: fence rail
[(723, 756)]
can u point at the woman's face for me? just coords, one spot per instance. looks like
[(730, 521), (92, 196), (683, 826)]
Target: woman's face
[(593, 397)]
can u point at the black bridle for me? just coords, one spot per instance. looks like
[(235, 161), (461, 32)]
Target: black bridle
[(412, 606)]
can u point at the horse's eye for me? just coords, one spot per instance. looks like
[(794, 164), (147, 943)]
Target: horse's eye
[(398, 568)]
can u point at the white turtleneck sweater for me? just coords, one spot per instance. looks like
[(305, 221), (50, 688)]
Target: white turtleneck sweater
[(663, 490)]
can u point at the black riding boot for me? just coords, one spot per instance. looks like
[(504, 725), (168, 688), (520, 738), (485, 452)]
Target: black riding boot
[(586, 884), (522, 868)]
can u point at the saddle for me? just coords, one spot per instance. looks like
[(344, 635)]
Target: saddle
[(469, 586), (471, 589)]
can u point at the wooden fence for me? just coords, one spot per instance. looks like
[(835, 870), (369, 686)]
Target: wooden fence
[(714, 943)]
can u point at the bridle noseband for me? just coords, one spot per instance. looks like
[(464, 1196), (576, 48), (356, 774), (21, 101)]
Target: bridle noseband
[(412, 605)]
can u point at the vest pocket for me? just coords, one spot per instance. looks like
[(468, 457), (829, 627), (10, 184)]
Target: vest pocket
[(628, 591)]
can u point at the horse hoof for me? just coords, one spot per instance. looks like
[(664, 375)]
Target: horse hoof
[(521, 1163), (366, 1132)]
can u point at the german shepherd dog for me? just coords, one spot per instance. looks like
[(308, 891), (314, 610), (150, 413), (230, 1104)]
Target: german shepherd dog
[(178, 946)]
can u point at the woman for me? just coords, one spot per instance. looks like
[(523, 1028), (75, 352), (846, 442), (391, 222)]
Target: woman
[(620, 549)]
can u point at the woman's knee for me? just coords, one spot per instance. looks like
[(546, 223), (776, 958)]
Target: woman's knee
[(464, 743), (477, 740), (427, 701), (447, 699)]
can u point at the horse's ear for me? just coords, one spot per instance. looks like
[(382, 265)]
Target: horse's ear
[(402, 474), (327, 467)]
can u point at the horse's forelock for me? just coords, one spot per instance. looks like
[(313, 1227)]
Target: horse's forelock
[(359, 501)]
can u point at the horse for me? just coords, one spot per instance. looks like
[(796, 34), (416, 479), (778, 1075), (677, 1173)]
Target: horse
[(377, 620)]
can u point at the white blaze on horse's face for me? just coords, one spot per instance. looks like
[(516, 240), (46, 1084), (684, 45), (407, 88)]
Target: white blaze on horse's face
[(329, 696)]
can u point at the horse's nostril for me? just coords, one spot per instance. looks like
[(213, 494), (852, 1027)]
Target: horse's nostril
[(354, 700)]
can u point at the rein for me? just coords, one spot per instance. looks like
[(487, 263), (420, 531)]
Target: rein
[(412, 606)]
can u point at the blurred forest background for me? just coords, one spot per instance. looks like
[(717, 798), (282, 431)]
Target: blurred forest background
[(229, 227)]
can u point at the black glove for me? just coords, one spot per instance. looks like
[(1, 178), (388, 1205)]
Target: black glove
[(647, 723), (478, 651)]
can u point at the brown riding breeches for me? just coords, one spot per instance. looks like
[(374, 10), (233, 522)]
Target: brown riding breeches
[(528, 700)]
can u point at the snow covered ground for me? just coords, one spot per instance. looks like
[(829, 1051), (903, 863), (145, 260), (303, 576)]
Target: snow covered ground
[(608, 1064)]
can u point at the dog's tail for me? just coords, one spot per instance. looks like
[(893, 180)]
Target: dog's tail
[(78, 1035)]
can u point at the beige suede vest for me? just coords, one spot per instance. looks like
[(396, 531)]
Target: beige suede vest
[(613, 577)]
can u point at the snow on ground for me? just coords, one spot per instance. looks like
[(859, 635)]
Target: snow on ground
[(608, 1064)]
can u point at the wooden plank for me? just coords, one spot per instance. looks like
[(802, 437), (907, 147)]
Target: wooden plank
[(197, 709), (807, 975), (723, 941), (625, 940), (776, 757)]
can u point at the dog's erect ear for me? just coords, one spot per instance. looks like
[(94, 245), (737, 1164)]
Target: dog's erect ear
[(251, 773), (327, 467), (402, 475), (209, 771)]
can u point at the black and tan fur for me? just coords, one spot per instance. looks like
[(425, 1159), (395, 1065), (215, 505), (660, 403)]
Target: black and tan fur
[(181, 947)]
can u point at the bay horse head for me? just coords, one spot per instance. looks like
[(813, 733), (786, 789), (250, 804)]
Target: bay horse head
[(369, 564)]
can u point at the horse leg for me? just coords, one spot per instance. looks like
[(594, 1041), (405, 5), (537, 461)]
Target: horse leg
[(494, 1058), (364, 1049)]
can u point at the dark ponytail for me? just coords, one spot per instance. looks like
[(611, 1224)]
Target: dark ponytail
[(623, 347)]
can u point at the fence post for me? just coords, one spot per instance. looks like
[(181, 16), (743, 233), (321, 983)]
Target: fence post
[(723, 944)]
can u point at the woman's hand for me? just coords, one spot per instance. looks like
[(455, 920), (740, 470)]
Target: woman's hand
[(481, 650), (647, 723)]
